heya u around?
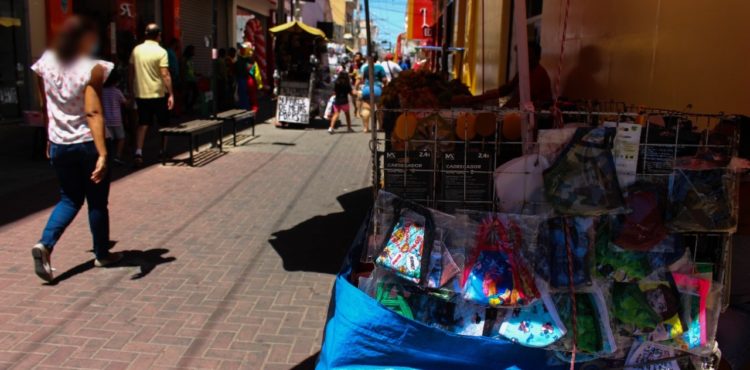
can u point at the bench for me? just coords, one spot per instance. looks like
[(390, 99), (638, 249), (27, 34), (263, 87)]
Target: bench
[(235, 116), (191, 129)]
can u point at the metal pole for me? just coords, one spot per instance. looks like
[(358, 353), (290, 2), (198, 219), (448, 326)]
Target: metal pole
[(371, 81)]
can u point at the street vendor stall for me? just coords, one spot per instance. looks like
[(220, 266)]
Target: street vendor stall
[(301, 75)]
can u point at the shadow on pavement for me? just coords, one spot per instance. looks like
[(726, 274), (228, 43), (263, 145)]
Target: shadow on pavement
[(308, 363), (146, 260), (321, 243), (36, 195)]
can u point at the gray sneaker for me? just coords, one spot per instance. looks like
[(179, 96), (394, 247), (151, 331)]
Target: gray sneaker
[(42, 265), (111, 259)]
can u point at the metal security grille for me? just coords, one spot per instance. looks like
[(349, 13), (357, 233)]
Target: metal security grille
[(195, 17)]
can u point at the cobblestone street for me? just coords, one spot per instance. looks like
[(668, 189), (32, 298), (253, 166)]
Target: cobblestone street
[(228, 265)]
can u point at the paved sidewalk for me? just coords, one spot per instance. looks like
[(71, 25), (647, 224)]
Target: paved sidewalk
[(229, 265)]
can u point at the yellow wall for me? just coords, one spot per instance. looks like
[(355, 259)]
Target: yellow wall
[(659, 53), (494, 23)]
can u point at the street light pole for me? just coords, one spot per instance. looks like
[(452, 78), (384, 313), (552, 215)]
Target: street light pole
[(373, 113)]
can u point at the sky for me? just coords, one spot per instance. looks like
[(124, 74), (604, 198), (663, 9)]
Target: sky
[(389, 17)]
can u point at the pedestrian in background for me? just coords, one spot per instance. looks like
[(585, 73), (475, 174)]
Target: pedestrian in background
[(392, 69), (71, 83), (380, 78), (189, 78), (342, 88), (113, 101), (152, 86)]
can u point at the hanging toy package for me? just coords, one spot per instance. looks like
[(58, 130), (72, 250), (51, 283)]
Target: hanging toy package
[(560, 234), (643, 228), (496, 274), (593, 331), (410, 240), (583, 179), (379, 227), (702, 200), (536, 325), (446, 258)]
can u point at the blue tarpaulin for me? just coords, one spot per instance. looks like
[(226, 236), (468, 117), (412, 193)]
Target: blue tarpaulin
[(362, 334)]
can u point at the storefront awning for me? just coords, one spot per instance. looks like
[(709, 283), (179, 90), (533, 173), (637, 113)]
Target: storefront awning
[(298, 27), (10, 22)]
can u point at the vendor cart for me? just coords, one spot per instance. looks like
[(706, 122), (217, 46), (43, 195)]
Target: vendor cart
[(301, 77)]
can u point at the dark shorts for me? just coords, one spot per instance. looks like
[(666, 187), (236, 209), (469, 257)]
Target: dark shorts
[(153, 111)]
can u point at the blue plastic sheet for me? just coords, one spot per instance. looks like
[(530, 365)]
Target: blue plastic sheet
[(362, 334)]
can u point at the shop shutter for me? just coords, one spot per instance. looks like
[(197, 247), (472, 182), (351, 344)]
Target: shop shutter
[(195, 16)]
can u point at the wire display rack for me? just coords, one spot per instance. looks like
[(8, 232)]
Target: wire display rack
[(445, 164)]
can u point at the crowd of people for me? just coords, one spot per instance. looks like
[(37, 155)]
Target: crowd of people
[(353, 83)]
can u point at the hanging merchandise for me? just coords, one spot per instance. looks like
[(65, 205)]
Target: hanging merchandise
[(643, 227), (495, 273), (702, 200), (664, 299), (411, 239), (583, 180), (578, 233), (631, 308), (593, 331), (536, 325), (446, 259), (694, 294)]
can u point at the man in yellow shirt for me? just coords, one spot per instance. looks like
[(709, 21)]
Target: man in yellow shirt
[(151, 84)]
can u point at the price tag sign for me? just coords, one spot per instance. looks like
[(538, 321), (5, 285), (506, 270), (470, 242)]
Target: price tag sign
[(293, 109), (409, 174), (466, 180)]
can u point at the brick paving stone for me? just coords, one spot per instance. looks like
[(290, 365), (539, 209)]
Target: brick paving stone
[(204, 287)]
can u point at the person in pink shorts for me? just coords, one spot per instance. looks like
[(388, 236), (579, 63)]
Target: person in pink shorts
[(342, 89)]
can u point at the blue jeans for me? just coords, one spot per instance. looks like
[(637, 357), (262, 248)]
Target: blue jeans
[(74, 164)]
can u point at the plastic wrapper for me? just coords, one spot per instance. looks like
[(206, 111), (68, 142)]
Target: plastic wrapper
[(702, 201), (643, 228), (536, 325), (593, 329), (583, 180), (380, 224), (496, 274), (556, 236), (664, 299), (409, 244), (630, 307), (447, 256)]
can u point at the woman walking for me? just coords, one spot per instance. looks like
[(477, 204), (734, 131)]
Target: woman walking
[(71, 81), (342, 88)]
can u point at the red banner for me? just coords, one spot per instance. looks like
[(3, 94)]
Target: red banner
[(126, 15), (421, 19), (57, 12)]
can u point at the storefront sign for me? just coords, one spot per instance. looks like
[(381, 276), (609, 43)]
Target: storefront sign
[(293, 109), (57, 12), (420, 19), (126, 15)]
